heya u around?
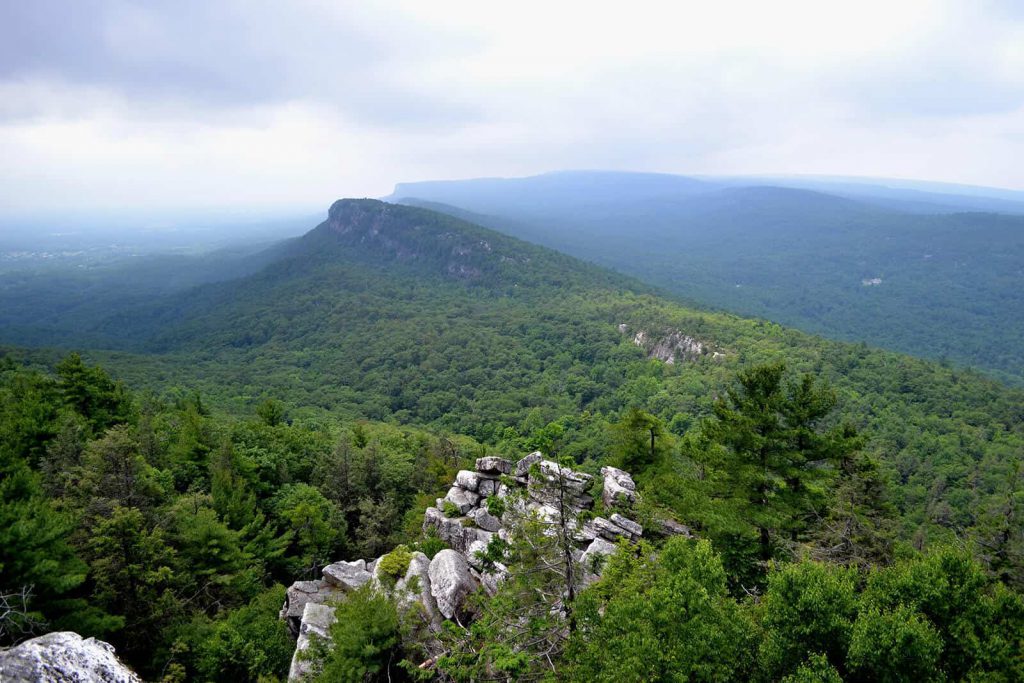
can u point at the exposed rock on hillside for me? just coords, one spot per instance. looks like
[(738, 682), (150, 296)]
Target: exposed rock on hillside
[(482, 504), (672, 346), (64, 656)]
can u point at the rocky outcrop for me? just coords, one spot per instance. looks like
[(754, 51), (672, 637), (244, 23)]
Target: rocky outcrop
[(62, 657), (483, 504), (618, 488), (451, 582), (347, 575), (316, 623), (672, 346)]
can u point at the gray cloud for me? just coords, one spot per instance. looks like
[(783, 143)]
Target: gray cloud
[(230, 54), (115, 102)]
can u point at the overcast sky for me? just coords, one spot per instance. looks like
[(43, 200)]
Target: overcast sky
[(203, 103)]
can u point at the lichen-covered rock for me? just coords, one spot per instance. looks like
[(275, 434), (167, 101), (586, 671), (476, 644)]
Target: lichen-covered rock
[(485, 520), (468, 480), (619, 488), (577, 482), (452, 530), (493, 465), (462, 499), (316, 623), (609, 530), (634, 528), (670, 527), (302, 592), (523, 466), (347, 575), (414, 589), (450, 582), (546, 493), (473, 553), (64, 656), (595, 554), (488, 487)]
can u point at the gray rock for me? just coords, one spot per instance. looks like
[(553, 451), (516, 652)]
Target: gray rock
[(414, 589), (468, 480), (546, 493), (584, 533), (595, 552), (492, 580), (64, 656), (450, 582), (577, 482), (485, 520), (629, 525), (302, 592), (670, 527), (473, 554), (347, 575), (493, 465), (451, 530), (488, 487), (523, 466), (619, 488), (316, 623), (609, 530), (462, 499)]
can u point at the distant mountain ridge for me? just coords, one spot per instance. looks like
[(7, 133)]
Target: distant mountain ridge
[(797, 254)]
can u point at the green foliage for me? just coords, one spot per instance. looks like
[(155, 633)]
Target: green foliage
[(495, 506), (774, 459), (450, 509), (977, 624), (431, 545), (897, 645), (808, 609), (792, 256), (315, 524), (640, 441), (271, 412), (364, 639), (167, 513), (250, 643), (90, 392), (394, 565), (661, 618), (815, 670)]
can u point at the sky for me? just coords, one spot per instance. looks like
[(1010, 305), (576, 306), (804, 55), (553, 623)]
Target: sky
[(108, 105)]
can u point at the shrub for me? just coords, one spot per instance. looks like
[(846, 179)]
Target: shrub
[(431, 545), (450, 509), (495, 506), (394, 565)]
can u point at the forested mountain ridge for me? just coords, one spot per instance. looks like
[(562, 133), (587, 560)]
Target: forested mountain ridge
[(253, 396), (926, 280)]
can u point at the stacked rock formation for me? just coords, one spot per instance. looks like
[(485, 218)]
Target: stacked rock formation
[(467, 520)]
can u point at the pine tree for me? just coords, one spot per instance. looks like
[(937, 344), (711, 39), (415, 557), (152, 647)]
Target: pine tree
[(775, 460)]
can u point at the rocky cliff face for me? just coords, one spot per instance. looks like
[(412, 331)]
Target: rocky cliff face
[(401, 233), (482, 504), (64, 657), (672, 346)]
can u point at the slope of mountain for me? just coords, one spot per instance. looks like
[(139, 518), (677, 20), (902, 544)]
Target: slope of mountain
[(414, 317), (400, 313), (942, 285)]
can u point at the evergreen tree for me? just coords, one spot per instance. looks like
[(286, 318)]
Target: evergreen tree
[(775, 460)]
